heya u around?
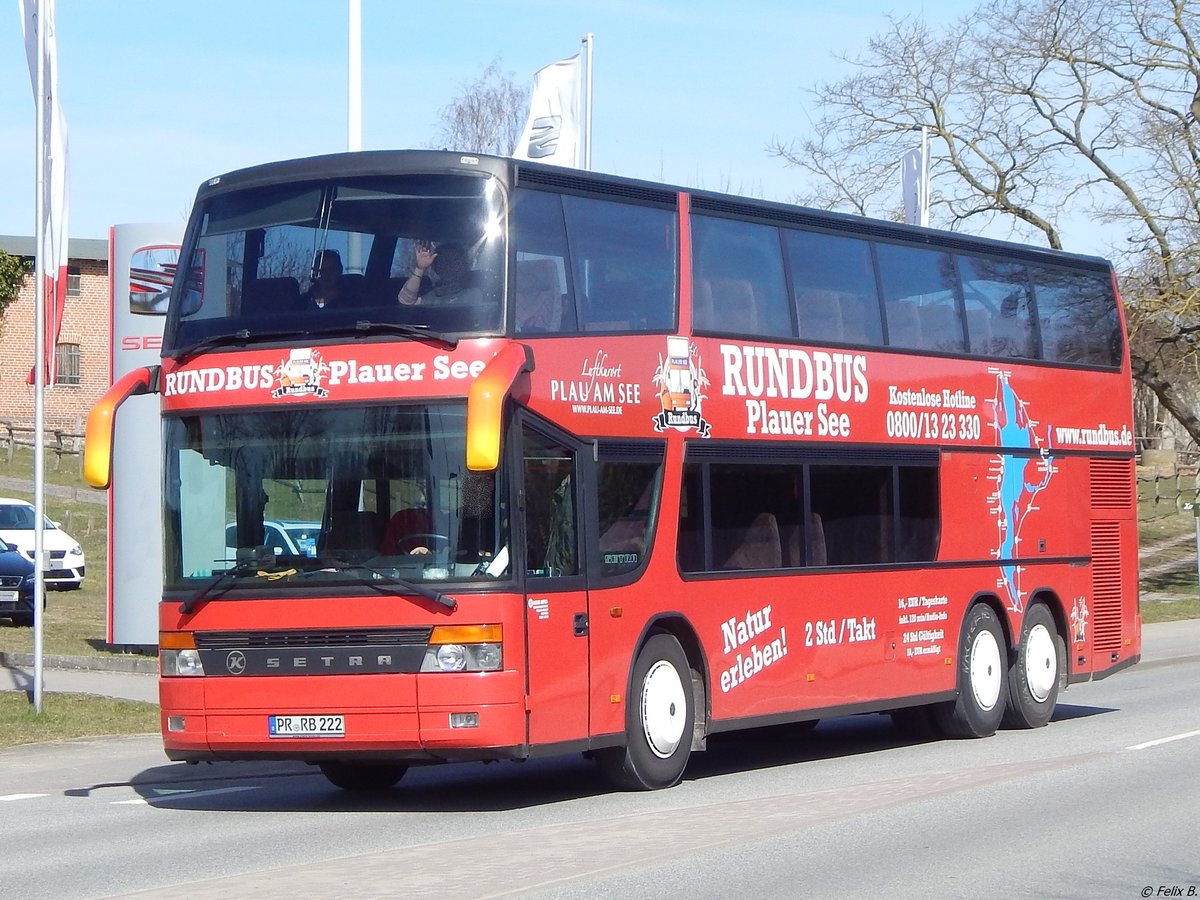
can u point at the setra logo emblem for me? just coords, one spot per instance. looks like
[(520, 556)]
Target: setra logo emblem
[(235, 662)]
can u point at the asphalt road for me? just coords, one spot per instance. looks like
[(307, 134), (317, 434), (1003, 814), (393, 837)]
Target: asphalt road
[(1104, 802)]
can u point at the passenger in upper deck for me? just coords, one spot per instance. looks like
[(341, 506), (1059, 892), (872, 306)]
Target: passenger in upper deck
[(328, 284), (452, 271)]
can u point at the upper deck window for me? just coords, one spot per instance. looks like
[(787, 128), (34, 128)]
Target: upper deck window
[(319, 257), (612, 264), (999, 304), (1077, 317), (739, 283), (833, 285), (919, 293)]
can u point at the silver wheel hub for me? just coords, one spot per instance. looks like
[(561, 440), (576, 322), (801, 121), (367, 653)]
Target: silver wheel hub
[(1041, 662), (986, 671), (664, 708)]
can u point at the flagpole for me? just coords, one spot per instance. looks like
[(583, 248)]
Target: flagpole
[(924, 182), (354, 251), (587, 103), (39, 367), (354, 79)]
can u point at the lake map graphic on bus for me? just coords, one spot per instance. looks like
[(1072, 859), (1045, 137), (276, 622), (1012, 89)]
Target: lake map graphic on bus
[(1019, 478)]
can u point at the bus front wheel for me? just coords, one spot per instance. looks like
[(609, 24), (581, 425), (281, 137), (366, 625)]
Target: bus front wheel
[(1033, 678), (363, 776), (660, 713), (982, 672)]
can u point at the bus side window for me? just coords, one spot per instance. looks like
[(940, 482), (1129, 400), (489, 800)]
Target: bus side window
[(743, 261), (623, 263), (541, 261), (833, 282), (920, 292), (1077, 313), (627, 500), (999, 308), (551, 528)]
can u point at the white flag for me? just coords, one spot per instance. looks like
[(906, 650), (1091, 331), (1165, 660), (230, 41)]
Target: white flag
[(553, 132), (52, 158), (911, 183)]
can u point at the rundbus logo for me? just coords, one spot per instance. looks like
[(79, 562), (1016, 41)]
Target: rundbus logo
[(306, 373)]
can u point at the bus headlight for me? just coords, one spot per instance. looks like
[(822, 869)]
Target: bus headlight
[(451, 657), (464, 648), (180, 662), (463, 658)]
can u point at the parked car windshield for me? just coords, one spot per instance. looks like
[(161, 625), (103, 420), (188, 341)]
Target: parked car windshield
[(19, 516)]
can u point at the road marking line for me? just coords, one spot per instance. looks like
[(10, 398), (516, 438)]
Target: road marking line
[(1166, 740), (186, 795), (6, 797)]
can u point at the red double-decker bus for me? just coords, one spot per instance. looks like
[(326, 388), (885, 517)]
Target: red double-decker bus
[(473, 458)]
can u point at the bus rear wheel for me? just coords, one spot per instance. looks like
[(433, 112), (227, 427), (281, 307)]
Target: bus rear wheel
[(660, 714), (981, 678), (1034, 676), (363, 776)]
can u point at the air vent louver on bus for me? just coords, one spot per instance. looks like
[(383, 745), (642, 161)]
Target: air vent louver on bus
[(575, 184), (1112, 484), (231, 640), (1106, 587)]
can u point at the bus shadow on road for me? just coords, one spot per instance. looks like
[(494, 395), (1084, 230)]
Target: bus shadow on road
[(1064, 712), (477, 787), (446, 788)]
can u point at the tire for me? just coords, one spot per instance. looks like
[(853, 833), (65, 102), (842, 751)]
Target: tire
[(982, 670), (1036, 672), (660, 716), (363, 776)]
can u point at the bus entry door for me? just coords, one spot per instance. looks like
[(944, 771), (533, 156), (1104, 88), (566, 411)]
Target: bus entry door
[(556, 600)]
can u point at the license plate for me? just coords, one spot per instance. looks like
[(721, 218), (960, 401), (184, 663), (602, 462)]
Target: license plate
[(306, 726), (8, 596)]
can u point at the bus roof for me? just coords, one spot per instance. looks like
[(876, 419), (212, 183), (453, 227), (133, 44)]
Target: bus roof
[(399, 162)]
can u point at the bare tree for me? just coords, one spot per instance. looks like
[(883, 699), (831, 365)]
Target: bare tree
[(487, 115), (1039, 109)]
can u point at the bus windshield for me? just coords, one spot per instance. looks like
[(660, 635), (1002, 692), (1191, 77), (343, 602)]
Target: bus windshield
[(315, 257), (329, 498)]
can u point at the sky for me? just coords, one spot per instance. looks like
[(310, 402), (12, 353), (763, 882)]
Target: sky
[(160, 96)]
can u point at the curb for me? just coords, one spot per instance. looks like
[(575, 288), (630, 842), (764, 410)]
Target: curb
[(132, 665)]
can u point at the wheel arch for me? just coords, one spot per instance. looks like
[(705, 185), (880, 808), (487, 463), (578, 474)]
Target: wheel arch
[(1058, 612), (1002, 613), (680, 627)]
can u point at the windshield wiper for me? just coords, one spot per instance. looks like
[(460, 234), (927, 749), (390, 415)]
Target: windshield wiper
[(384, 575), (417, 332), (244, 336), (222, 580)]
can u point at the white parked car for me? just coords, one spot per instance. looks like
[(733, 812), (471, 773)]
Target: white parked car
[(286, 537), (64, 568)]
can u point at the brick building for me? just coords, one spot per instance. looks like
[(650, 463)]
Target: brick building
[(83, 344)]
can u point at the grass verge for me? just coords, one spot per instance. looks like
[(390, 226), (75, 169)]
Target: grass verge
[(1172, 610), (66, 716)]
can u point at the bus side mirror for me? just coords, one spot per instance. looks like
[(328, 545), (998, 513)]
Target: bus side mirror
[(98, 438), (485, 405)]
